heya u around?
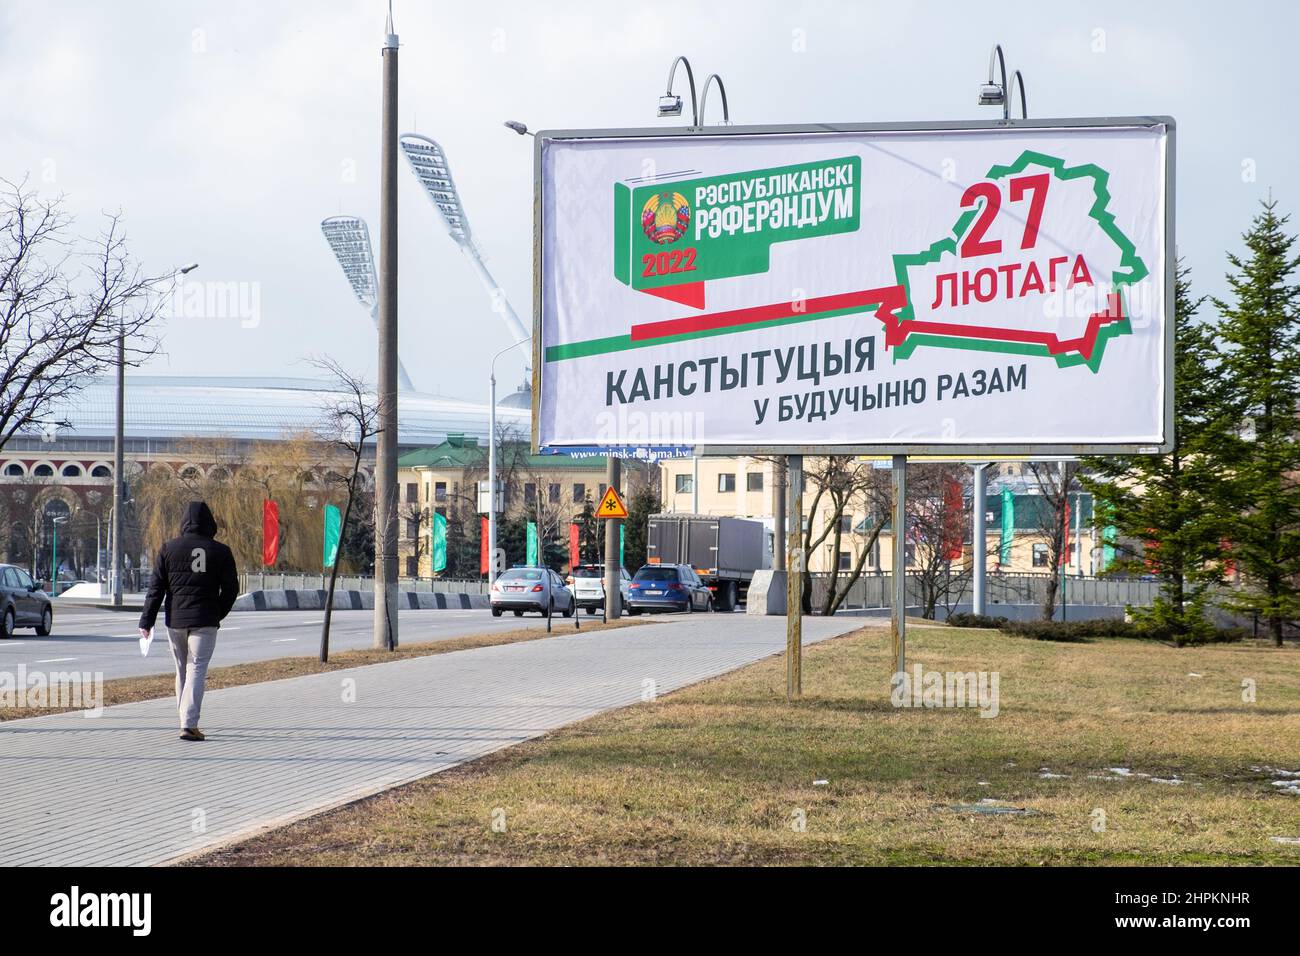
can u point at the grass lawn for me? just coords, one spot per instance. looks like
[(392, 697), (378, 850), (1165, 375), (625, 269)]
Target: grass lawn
[(124, 690), (722, 772)]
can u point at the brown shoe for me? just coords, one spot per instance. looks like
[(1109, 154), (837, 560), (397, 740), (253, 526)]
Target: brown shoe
[(192, 733)]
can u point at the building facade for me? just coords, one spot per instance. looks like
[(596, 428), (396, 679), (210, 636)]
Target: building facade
[(552, 491), (745, 487)]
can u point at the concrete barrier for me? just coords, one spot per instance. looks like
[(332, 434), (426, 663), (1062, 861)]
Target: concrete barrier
[(766, 593), (302, 599)]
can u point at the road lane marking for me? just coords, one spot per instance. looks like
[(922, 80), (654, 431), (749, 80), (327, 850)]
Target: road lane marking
[(284, 640), (56, 660)]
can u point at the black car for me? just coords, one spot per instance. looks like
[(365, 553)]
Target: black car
[(668, 587), (23, 603)]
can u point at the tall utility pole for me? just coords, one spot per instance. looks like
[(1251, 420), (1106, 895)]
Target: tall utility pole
[(613, 567), (386, 451)]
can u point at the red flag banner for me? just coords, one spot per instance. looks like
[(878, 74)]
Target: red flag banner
[(1065, 541), (483, 545), (573, 547), (1229, 565), (270, 532), (952, 524)]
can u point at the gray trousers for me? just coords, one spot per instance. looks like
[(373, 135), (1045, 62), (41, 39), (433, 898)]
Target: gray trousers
[(192, 648)]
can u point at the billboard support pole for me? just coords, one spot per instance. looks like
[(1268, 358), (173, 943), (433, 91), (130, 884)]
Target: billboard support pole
[(979, 538), (898, 609), (613, 592), (779, 466), (795, 565)]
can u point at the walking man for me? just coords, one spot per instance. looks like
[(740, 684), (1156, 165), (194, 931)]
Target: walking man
[(195, 576)]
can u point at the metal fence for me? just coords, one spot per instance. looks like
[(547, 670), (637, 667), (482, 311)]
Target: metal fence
[(873, 591), (263, 581)]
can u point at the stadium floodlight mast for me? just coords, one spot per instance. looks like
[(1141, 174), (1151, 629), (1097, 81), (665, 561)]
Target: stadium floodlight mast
[(999, 94), (349, 239), (428, 162)]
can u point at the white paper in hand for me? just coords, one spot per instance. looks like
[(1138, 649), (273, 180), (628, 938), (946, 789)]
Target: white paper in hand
[(145, 643)]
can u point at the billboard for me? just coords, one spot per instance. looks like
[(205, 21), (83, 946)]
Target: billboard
[(952, 288)]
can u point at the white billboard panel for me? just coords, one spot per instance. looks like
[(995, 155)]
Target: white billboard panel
[(953, 288)]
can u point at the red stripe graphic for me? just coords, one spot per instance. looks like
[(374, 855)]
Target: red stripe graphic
[(767, 313), (888, 300)]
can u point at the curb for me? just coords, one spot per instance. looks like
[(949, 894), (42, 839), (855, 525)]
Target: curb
[(301, 599)]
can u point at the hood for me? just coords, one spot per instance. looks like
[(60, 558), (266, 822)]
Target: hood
[(198, 520)]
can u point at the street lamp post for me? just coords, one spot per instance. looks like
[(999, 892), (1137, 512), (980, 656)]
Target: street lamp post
[(385, 619), (115, 524), (492, 464)]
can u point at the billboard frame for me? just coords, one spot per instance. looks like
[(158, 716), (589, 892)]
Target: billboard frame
[(984, 452)]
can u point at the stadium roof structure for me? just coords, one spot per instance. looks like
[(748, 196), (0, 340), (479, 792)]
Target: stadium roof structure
[(167, 408), (463, 451)]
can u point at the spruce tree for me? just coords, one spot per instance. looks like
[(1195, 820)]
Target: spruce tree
[(643, 502), (1172, 503), (1261, 365)]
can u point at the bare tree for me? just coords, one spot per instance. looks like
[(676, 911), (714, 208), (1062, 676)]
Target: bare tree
[(66, 306), (938, 516), (416, 519), (847, 486), (1056, 481), (349, 422)]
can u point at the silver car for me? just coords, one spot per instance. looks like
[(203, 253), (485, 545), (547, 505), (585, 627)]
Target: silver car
[(531, 589)]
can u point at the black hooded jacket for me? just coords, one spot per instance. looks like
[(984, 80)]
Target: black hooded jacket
[(194, 574)]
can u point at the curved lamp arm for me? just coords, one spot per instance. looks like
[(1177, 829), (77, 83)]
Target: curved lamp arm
[(690, 76), (998, 57), (1017, 80), (704, 99)]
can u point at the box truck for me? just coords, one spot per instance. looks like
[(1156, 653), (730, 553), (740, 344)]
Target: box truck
[(725, 552)]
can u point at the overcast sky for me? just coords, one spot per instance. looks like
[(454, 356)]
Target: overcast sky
[(225, 130)]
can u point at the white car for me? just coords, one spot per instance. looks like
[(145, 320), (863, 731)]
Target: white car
[(588, 584)]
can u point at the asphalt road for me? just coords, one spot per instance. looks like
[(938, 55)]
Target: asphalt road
[(99, 641)]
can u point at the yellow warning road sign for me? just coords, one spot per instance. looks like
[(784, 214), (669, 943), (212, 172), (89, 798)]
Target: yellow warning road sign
[(611, 506)]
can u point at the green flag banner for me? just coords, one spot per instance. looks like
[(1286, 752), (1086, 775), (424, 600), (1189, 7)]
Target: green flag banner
[(1008, 526), (333, 530), (1107, 546), (438, 548), (531, 560)]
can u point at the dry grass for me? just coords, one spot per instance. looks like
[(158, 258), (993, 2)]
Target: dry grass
[(125, 690), (718, 773)]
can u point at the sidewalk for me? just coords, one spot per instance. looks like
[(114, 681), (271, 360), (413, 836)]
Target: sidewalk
[(122, 790)]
